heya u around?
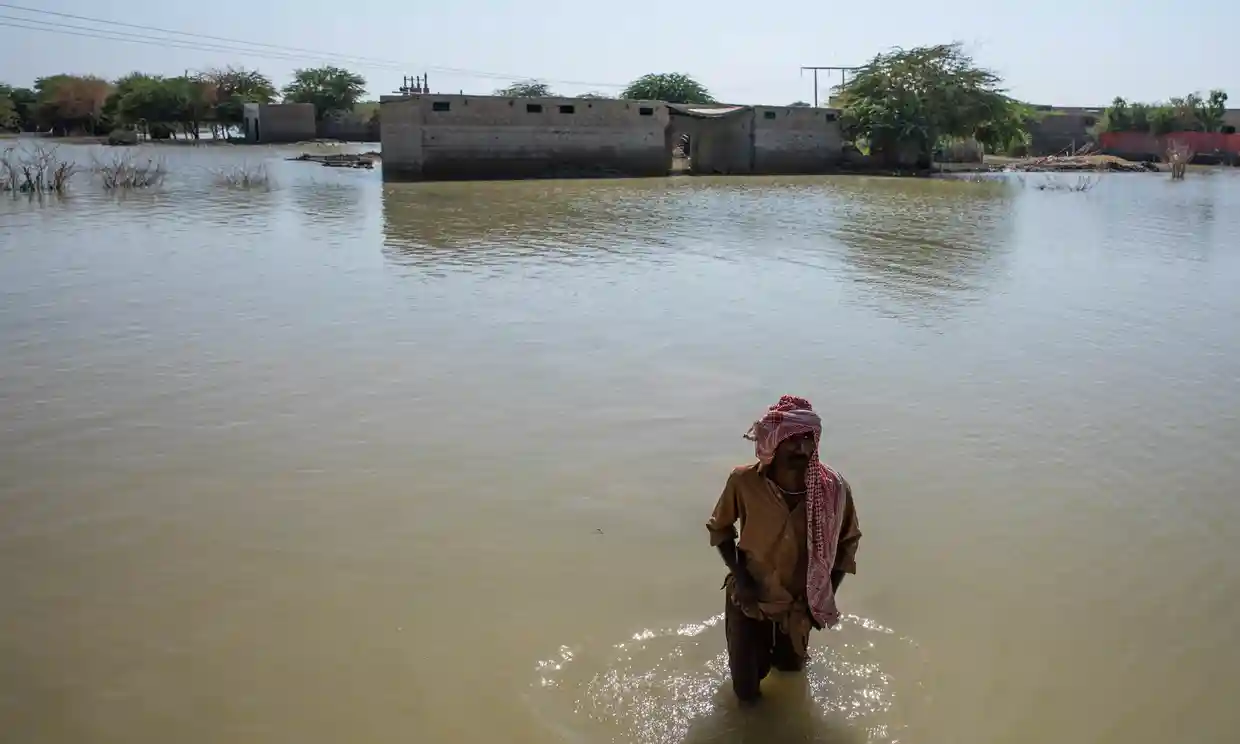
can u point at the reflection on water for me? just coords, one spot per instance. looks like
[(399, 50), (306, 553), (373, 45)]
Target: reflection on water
[(473, 224), (930, 242), (341, 460), (933, 241)]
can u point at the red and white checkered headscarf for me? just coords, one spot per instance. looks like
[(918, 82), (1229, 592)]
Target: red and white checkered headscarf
[(823, 490)]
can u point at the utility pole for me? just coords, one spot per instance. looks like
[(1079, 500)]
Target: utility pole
[(843, 76)]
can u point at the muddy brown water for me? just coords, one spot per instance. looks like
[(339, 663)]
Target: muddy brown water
[(342, 461)]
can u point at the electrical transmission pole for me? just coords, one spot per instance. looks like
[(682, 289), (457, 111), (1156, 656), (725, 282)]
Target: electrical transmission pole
[(843, 76)]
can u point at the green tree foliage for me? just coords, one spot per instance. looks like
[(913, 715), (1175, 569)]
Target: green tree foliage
[(233, 87), (1008, 131), (8, 110), (10, 118), (122, 88), (673, 87), (71, 104), (799, 104), (1163, 120), (26, 101), (1190, 113), (1212, 111), (907, 102), (331, 89), (1186, 109), (1117, 117), (159, 104), (526, 89)]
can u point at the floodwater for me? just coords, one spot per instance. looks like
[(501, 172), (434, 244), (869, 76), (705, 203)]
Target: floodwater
[(346, 461)]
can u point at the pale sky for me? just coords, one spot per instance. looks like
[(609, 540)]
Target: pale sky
[(1053, 52)]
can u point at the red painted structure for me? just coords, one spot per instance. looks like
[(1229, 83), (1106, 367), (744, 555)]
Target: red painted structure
[(1144, 144)]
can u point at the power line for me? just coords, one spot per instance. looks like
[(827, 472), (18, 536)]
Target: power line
[(101, 34), (843, 76), (141, 27), (285, 52)]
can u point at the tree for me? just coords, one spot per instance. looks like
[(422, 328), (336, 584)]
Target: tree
[(195, 102), (215, 97), (26, 102), (1163, 120), (1211, 112), (331, 89), (1186, 109), (1117, 117), (799, 104), (673, 87), (133, 102), (1190, 113), (71, 103), (121, 105), (160, 104), (233, 88), (1008, 131), (8, 110), (905, 102), (526, 89)]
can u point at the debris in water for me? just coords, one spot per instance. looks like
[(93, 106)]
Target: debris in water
[(348, 160)]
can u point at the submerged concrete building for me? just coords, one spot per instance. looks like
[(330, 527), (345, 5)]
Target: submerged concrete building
[(771, 140), (450, 137), (279, 122), (438, 137)]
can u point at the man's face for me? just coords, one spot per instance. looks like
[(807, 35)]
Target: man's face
[(795, 451)]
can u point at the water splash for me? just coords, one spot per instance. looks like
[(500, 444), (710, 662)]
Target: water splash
[(671, 685)]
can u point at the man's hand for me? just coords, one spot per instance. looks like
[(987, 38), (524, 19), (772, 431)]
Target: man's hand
[(744, 587)]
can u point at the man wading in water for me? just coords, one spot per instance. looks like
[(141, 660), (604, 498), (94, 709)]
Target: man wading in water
[(798, 538)]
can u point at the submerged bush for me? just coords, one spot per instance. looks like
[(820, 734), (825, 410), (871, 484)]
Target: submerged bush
[(36, 171), (244, 176), (1082, 183), (124, 172)]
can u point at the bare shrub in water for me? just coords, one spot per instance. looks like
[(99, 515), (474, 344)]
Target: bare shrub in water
[(8, 170), (123, 171), (37, 171), (1179, 155), (244, 176), (1082, 183)]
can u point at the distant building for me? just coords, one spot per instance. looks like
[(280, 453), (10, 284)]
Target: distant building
[(279, 122), (1063, 128), (1231, 118)]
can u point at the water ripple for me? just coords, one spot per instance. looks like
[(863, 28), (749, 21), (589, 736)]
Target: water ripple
[(671, 685)]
